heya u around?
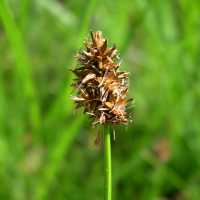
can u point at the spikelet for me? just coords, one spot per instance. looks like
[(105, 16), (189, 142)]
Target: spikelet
[(101, 88)]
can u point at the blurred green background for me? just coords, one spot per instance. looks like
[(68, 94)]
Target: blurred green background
[(47, 148)]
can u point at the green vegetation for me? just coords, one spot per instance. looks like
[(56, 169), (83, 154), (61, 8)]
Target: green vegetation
[(47, 148)]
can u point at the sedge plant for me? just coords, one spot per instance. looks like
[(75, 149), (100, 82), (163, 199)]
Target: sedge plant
[(102, 92)]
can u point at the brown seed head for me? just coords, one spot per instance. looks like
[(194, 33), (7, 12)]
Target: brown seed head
[(101, 88)]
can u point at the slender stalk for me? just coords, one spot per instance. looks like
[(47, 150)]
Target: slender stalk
[(107, 165)]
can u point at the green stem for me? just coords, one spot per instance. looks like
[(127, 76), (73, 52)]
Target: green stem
[(107, 165)]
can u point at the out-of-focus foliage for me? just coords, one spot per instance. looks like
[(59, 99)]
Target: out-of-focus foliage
[(47, 148)]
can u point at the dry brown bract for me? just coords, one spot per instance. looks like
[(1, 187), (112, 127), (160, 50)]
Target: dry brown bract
[(102, 89)]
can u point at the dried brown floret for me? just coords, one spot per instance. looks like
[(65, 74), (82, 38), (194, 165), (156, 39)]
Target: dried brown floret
[(101, 89)]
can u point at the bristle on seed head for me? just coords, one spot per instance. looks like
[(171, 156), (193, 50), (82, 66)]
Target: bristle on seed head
[(101, 88)]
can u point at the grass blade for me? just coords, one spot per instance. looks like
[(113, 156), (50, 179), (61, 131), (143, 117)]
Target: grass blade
[(22, 71)]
